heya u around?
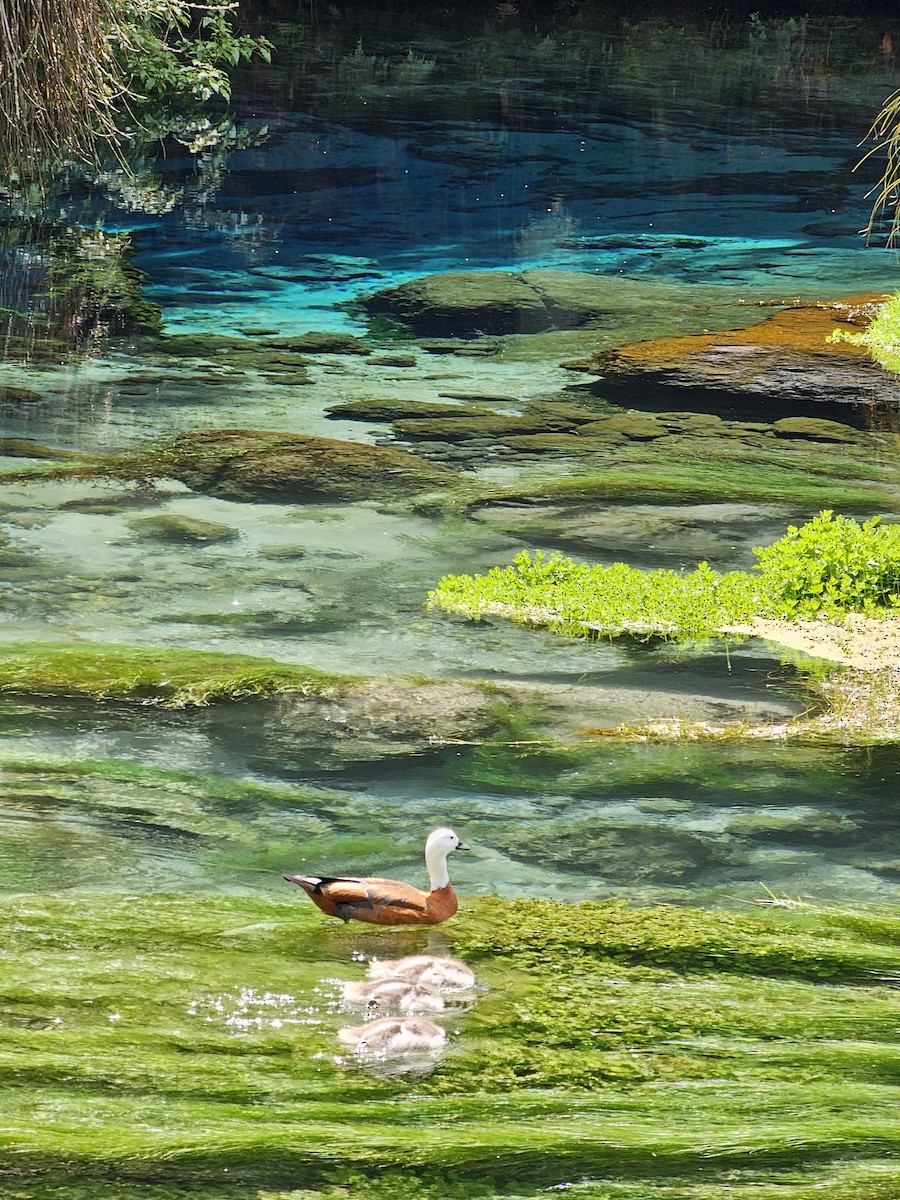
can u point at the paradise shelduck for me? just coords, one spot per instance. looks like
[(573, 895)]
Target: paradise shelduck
[(402, 994), (394, 1035), (445, 974), (387, 901)]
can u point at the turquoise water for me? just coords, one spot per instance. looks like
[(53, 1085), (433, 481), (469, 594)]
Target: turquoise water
[(703, 178)]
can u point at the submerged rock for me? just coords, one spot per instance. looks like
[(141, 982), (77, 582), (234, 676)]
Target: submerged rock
[(23, 448), (828, 828), (371, 720), (492, 426), (17, 395), (814, 429), (619, 853), (316, 342), (469, 304), (172, 527), (276, 363), (782, 366), (246, 464), (634, 426), (379, 410)]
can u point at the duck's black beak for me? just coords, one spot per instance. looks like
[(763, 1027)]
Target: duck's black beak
[(463, 846)]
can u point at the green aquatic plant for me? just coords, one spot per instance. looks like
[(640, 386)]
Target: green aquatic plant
[(830, 566), (169, 677), (730, 471), (163, 1044)]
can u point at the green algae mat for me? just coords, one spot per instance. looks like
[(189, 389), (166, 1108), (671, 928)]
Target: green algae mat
[(166, 1046)]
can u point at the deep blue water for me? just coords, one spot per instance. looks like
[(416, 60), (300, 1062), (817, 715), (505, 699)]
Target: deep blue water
[(397, 158)]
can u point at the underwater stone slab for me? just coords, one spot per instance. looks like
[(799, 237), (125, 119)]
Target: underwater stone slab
[(634, 426), (621, 853), (172, 527), (316, 342), (280, 364), (492, 426), (396, 410), (561, 443), (247, 464), (18, 395), (374, 720), (782, 366), (815, 429), (829, 828), (469, 304)]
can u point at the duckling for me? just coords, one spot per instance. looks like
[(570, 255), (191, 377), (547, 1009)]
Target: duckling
[(394, 1035), (444, 974), (387, 901), (394, 993)]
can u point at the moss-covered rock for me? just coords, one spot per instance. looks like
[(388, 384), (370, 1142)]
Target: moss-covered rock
[(320, 342), (394, 360), (468, 304), (634, 426), (251, 465), (169, 677), (173, 527), (560, 443), (276, 364), (387, 410), (23, 448), (305, 717), (17, 395), (464, 304), (781, 366), (492, 427), (816, 429)]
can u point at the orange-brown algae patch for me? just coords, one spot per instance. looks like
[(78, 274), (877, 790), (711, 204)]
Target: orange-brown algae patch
[(802, 327)]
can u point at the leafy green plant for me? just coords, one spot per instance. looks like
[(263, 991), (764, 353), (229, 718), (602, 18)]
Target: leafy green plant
[(178, 48), (881, 337), (832, 565), (75, 67)]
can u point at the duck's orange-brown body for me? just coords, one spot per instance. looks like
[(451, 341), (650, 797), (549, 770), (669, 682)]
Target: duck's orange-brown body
[(378, 901)]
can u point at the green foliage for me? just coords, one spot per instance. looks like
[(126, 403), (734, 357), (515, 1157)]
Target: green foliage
[(78, 66), (881, 337), (179, 49), (578, 598), (832, 565)]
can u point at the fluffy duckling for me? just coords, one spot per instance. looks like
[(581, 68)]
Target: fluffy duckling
[(404, 994), (394, 1035), (387, 901), (444, 974)]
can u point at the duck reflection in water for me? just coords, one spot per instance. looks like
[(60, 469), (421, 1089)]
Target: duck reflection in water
[(393, 993)]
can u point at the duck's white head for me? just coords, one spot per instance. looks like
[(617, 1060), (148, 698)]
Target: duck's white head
[(439, 844)]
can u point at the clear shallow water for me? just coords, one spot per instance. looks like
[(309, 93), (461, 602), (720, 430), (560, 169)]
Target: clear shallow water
[(710, 180)]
